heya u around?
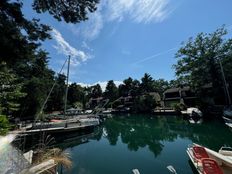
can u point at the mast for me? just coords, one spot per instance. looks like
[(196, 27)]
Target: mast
[(66, 92), (225, 84)]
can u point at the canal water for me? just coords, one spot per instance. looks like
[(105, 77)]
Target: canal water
[(142, 142)]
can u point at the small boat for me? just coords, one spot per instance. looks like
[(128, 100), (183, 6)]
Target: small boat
[(227, 151), (192, 112), (229, 124), (227, 120), (207, 161), (227, 112)]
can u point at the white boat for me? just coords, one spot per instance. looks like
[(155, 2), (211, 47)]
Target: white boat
[(192, 112), (229, 124), (227, 120), (228, 112), (222, 161), (227, 151)]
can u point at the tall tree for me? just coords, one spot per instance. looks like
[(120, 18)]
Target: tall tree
[(160, 86), (56, 101), (96, 91), (10, 91), (146, 83), (76, 94), (111, 91), (198, 61)]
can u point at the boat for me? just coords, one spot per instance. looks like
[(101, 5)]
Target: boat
[(227, 120), (227, 151), (206, 160), (227, 112), (229, 124), (192, 112)]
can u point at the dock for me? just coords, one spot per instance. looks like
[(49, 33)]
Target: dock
[(165, 111)]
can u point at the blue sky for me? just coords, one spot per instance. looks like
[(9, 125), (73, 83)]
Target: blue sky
[(130, 37)]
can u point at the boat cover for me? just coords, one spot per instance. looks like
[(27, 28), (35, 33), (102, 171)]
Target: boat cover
[(210, 166), (199, 153)]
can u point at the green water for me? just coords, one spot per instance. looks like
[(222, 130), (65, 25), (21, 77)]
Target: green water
[(124, 143)]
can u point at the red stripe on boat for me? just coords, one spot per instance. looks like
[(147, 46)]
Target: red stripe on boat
[(199, 153), (211, 167)]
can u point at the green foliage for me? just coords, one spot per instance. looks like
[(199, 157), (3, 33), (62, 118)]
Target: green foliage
[(4, 125), (76, 94), (179, 107), (73, 11), (129, 87), (144, 104), (146, 85), (20, 49), (10, 91), (160, 86), (111, 91), (198, 61), (96, 91), (78, 105)]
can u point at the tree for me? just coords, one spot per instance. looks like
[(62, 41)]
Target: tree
[(160, 86), (198, 61), (73, 11), (111, 91), (20, 49), (146, 84), (96, 91), (76, 95), (10, 91), (56, 101)]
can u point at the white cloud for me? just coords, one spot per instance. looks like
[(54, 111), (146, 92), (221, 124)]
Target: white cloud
[(139, 11), (63, 47), (102, 84)]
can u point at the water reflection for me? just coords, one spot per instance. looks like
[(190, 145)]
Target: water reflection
[(143, 142), (154, 132)]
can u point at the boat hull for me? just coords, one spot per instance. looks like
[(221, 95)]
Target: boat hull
[(224, 162)]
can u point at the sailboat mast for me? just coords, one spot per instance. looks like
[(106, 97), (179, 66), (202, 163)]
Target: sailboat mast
[(66, 92), (225, 84)]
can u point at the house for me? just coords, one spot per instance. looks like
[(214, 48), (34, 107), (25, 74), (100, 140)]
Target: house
[(93, 102), (183, 95)]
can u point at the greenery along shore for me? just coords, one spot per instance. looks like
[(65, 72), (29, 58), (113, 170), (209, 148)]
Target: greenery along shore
[(26, 79)]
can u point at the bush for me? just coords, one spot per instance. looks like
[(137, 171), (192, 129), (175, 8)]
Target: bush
[(4, 125), (179, 107)]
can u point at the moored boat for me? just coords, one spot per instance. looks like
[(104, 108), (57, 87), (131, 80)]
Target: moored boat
[(201, 157), (192, 112)]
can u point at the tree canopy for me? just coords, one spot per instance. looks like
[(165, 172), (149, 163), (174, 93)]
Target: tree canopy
[(198, 61), (73, 11)]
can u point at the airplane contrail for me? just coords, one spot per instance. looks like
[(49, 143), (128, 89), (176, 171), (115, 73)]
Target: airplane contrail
[(229, 27), (155, 55)]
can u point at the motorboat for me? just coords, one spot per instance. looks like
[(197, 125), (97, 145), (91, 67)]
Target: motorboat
[(192, 112), (229, 124), (227, 151), (227, 112), (207, 161)]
